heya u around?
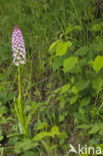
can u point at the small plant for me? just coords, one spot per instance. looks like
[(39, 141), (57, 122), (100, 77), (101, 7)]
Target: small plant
[(19, 58), (26, 141)]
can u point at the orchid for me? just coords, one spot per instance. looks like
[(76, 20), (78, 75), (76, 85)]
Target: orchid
[(19, 58), (18, 47)]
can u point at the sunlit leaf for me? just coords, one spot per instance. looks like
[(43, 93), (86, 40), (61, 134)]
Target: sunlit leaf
[(61, 48), (69, 63), (98, 63)]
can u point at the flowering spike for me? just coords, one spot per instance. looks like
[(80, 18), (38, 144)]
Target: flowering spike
[(18, 47)]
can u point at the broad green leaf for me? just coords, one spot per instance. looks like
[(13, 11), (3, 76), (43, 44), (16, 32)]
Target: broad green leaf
[(96, 27), (75, 90), (100, 108), (100, 45), (82, 51), (94, 129), (85, 101), (62, 104), (97, 127), (75, 28), (68, 29), (82, 84), (98, 63), (97, 84), (65, 88), (53, 46), (41, 135), (1, 137), (42, 125), (69, 43), (74, 99), (101, 132), (61, 117), (61, 48), (55, 130), (76, 69), (69, 63), (57, 63)]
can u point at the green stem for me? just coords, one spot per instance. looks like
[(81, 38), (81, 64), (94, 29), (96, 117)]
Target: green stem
[(19, 81), (22, 121), (19, 97), (19, 108)]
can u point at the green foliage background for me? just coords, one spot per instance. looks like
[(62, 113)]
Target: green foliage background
[(62, 81)]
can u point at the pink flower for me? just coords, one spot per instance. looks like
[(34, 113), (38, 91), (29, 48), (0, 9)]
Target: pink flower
[(18, 47)]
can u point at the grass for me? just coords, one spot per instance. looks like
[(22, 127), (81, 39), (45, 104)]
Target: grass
[(43, 22)]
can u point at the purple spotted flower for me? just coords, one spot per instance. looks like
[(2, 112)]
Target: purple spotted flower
[(18, 47)]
